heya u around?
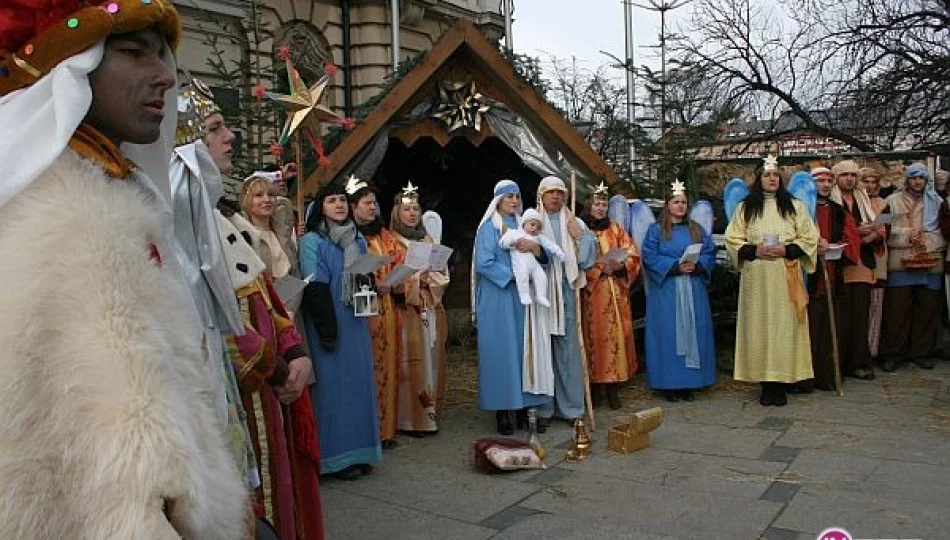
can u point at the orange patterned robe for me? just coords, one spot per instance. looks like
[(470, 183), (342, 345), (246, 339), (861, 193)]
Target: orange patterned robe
[(386, 330), (608, 323)]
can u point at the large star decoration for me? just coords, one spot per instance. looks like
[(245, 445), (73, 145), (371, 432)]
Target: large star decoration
[(409, 193), (601, 189), (461, 106), (303, 105)]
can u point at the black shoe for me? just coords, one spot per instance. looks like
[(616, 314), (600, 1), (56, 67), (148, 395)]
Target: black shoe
[(924, 363), (687, 395), (521, 418), (596, 395), (349, 474), (613, 396), (671, 396), (543, 425), (889, 364), (503, 421), (766, 398), (802, 387), (779, 397), (865, 374), (389, 444)]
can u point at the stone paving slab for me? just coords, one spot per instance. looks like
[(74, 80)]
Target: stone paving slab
[(875, 442), (353, 517), (722, 467), (713, 440), (703, 473), (658, 509), (822, 469), (865, 515), (465, 496), (548, 527)]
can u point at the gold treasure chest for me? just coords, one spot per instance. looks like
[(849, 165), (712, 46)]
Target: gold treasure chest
[(635, 435)]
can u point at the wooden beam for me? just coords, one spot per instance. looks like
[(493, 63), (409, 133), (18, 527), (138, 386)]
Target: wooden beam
[(465, 47), (404, 90)]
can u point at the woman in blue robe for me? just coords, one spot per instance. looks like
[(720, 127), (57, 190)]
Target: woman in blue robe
[(499, 314), (344, 394), (680, 348)]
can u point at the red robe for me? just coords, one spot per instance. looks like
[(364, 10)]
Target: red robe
[(284, 437)]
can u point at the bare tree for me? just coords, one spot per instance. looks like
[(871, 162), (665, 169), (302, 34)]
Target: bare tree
[(589, 99), (872, 74)]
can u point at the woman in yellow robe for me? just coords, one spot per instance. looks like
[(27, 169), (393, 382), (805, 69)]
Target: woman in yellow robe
[(424, 328), (385, 328), (607, 319), (771, 240)]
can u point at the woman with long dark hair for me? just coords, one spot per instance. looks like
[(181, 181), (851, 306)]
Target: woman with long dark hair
[(344, 395), (680, 348), (771, 241)]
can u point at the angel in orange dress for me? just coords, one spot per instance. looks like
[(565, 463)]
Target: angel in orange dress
[(608, 322)]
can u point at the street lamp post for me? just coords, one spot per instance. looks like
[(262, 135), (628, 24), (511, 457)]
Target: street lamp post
[(663, 6)]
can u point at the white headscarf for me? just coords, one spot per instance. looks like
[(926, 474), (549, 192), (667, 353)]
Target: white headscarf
[(860, 196), (39, 120), (557, 270), (502, 188)]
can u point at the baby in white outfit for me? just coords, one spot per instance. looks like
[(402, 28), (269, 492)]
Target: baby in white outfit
[(525, 266)]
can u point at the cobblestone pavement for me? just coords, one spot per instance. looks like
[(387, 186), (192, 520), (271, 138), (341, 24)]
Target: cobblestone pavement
[(875, 462)]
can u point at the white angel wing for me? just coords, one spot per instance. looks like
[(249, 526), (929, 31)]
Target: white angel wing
[(702, 213), (619, 211), (433, 225), (641, 217)]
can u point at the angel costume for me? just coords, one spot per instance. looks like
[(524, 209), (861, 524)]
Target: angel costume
[(525, 266), (772, 340), (109, 426)]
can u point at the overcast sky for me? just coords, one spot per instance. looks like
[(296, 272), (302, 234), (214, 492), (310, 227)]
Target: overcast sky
[(582, 28)]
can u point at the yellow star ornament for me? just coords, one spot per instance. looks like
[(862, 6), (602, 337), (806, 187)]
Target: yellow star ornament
[(303, 104)]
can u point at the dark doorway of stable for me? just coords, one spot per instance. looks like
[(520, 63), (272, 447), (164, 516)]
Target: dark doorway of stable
[(456, 181)]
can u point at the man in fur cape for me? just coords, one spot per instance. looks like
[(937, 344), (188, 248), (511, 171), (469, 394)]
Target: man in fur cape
[(107, 425)]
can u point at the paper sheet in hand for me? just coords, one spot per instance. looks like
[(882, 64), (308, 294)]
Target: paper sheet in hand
[(834, 252), (290, 290), (398, 276), (424, 256), (617, 255), (368, 264), (692, 253), (886, 219)]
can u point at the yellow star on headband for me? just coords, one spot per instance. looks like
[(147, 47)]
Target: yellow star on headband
[(601, 189), (410, 190), (771, 163), (303, 104)]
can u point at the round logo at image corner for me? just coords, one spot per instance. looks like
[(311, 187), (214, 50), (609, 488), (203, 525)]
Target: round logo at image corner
[(835, 533)]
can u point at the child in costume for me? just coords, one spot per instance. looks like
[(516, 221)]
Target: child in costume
[(525, 266)]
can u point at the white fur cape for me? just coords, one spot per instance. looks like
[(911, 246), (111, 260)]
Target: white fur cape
[(105, 409)]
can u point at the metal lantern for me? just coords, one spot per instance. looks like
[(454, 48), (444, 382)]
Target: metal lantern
[(365, 302)]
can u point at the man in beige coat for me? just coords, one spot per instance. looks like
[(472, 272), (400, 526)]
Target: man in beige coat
[(107, 428)]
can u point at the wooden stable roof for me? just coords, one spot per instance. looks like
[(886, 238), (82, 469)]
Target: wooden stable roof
[(465, 49)]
